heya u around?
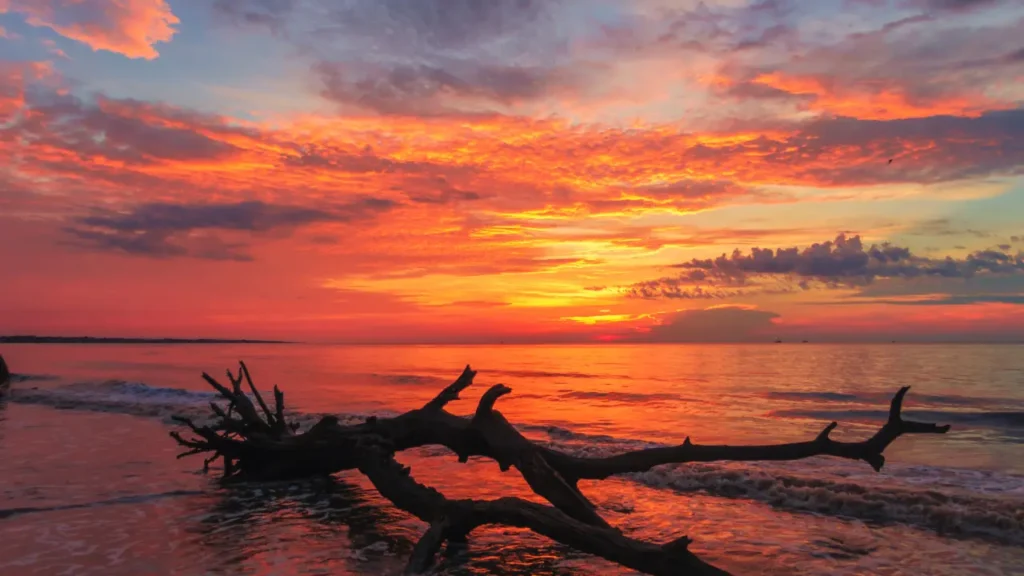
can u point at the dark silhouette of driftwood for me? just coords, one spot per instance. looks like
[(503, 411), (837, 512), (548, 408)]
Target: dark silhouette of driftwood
[(256, 442), (5, 376)]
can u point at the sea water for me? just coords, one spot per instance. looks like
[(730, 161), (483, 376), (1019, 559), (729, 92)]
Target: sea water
[(89, 482)]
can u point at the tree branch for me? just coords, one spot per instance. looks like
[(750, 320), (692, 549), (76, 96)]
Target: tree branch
[(445, 516), (510, 448), (451, 393), (243, 370), (5, 375), (869, 450)]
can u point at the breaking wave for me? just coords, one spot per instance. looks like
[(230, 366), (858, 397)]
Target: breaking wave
[(949, 501), (878, 398), (118, 396), (138, 399), (991, 517), (993, 419)]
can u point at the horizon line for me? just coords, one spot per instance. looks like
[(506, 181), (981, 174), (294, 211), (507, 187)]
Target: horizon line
[(38, 339)]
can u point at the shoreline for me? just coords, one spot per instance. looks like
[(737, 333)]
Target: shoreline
[(116, 340)]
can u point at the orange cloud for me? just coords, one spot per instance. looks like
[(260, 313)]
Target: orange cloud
[(127, 27), (439, 217), (467, 195), (871, 100), (438, 220), (14, 78)]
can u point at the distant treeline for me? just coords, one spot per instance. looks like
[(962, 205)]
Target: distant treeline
[(95, 340)]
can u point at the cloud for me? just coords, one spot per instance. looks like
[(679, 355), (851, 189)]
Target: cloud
[(128, 27), (359, 161), (679, 288), (884, 66), (767, 59), (272, 14), (844, 261), (442, 24), (164, 230), (409, 26), (958, 5), (953, 300), (925, 150), (15, 79), (479, 195), (252, 216), (930, 286), (161, 244), (514, 170), (422, 89), (944, 227), (428, 57), (718, 324), (120, 130)]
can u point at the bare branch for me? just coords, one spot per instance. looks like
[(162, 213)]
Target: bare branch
[(243, 370), (5, 375), (428, 546), (510, 448), (451, 393), (869, 450), (393, 481), (279, 406)]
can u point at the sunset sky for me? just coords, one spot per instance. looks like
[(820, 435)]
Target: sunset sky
[(513, 170)]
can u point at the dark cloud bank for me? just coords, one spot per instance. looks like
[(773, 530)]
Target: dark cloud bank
[(165, 230), (843, 262)]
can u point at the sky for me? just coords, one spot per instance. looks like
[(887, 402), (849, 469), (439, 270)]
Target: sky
[(447, 171)]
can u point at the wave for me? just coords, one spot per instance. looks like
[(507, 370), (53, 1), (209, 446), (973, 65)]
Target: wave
[(987, 517), (415, 379), (17, 378), (818, 396), (620, 397), (118, 396), (986, 419), (422, 379), (954, 503), (543, 374), (883, 398), (139, 399), (137, 499)]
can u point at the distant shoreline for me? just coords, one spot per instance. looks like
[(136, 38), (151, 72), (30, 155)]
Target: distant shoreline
[(102, 340)]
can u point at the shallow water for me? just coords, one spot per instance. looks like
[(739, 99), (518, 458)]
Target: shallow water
[(94, 488)]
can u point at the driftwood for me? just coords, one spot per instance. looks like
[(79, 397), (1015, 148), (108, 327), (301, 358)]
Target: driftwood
[(257, 443), (5, 376)]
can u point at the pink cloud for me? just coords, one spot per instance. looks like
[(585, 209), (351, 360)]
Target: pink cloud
[(127, 27)]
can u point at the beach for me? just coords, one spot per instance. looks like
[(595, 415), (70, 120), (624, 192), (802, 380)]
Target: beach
[(92, 485)]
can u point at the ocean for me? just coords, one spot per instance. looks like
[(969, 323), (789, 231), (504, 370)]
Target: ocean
[(89, 482)]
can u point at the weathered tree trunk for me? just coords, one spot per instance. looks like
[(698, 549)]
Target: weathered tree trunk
[(261, 445), (5, 376)]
